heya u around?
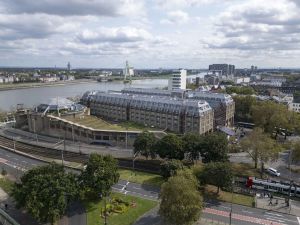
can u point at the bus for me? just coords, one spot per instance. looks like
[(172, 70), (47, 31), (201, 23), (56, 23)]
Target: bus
[(246, 125)]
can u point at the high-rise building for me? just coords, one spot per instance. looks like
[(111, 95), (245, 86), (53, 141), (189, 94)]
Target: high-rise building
[(178, 80), (222, 69), (69, 66)]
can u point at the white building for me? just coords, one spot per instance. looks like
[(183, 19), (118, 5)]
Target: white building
[(294, 106), (242, 80), (178, 80)]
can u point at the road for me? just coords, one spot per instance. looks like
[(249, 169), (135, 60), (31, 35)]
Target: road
[(16, 164), (219, 213)]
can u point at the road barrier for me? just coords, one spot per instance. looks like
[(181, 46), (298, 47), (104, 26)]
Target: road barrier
[(5, 219)]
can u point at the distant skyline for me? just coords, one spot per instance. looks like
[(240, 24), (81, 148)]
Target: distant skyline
[(150, 33)]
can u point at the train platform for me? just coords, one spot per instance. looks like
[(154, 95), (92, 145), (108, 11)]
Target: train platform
[(52, 142), (278, 204)]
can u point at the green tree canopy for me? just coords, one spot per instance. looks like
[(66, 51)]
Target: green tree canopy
[(243, 105), (169, 168), (260, 147), (218, 174), (181, 202), (295, 151), (145, 144), (269, 116), (214, 148), (191, 145), (45, 192), (240, 90), (100, 175), (171, 147)]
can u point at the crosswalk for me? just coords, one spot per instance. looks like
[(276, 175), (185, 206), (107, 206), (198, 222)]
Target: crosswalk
[(269, 218)]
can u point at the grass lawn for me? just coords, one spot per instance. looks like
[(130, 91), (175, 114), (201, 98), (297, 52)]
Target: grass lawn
[(142, 206), (245, 169), (211, 192), (141, 177), (5, 184)]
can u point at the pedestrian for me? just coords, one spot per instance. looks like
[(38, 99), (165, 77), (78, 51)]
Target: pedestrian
[(6, 206), (276, 203), (270, 203)]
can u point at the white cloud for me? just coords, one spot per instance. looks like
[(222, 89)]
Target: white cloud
[(116, 34), (176, 17)]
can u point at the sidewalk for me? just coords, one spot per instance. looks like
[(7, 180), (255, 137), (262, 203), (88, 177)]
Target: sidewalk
[(20, 216), (278, 204)]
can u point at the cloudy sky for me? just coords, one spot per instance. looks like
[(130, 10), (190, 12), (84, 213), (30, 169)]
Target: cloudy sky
[(150, 33)]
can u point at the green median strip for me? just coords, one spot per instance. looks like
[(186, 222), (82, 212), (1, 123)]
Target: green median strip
[(141, 177), (122, 209)]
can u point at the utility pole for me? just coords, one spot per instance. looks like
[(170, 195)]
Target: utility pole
[(290, 178), (105, 211), (230, 213)]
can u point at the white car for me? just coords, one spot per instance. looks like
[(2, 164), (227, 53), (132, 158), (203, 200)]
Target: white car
[(273, 172)]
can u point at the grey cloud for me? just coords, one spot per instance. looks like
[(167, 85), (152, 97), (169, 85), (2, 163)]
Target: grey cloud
[(37, 26), (253, 26), (70, 7)]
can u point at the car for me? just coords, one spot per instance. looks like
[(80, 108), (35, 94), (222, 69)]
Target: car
[(273, 172)]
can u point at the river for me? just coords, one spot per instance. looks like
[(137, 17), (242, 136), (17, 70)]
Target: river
[(34, 96)]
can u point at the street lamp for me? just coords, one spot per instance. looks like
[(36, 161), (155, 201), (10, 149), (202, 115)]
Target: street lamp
[(133, 159), (230, 214), (105, 209)]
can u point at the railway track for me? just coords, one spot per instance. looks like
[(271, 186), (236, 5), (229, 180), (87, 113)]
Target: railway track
[(73, 156), (43, 151)]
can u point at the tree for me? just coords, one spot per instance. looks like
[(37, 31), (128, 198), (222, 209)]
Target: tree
[(144, 144), (214, 148), (100, 175), (181, 203), (270, 116), (260, 147), (45, 192), (191, 145), (171, 147), (218, 174), (243, 104), (296, 151), (169, 167), (240, 90)]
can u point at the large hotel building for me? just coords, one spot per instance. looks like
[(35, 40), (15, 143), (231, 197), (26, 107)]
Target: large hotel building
[(177, 111), (165, 112)]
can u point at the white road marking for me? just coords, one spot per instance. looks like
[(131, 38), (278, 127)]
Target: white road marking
[(298, 218), (274, 214), (245, 211), (279, 219)]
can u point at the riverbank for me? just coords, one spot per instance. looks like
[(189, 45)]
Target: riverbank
[(15, 86), (7, 87)]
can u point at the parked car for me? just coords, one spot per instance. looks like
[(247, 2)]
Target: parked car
[(273, 172)]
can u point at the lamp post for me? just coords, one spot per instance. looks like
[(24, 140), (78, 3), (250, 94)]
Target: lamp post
[(230, 214), (133, 159)]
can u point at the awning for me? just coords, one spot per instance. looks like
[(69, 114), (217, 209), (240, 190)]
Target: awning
[(227, 131)]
